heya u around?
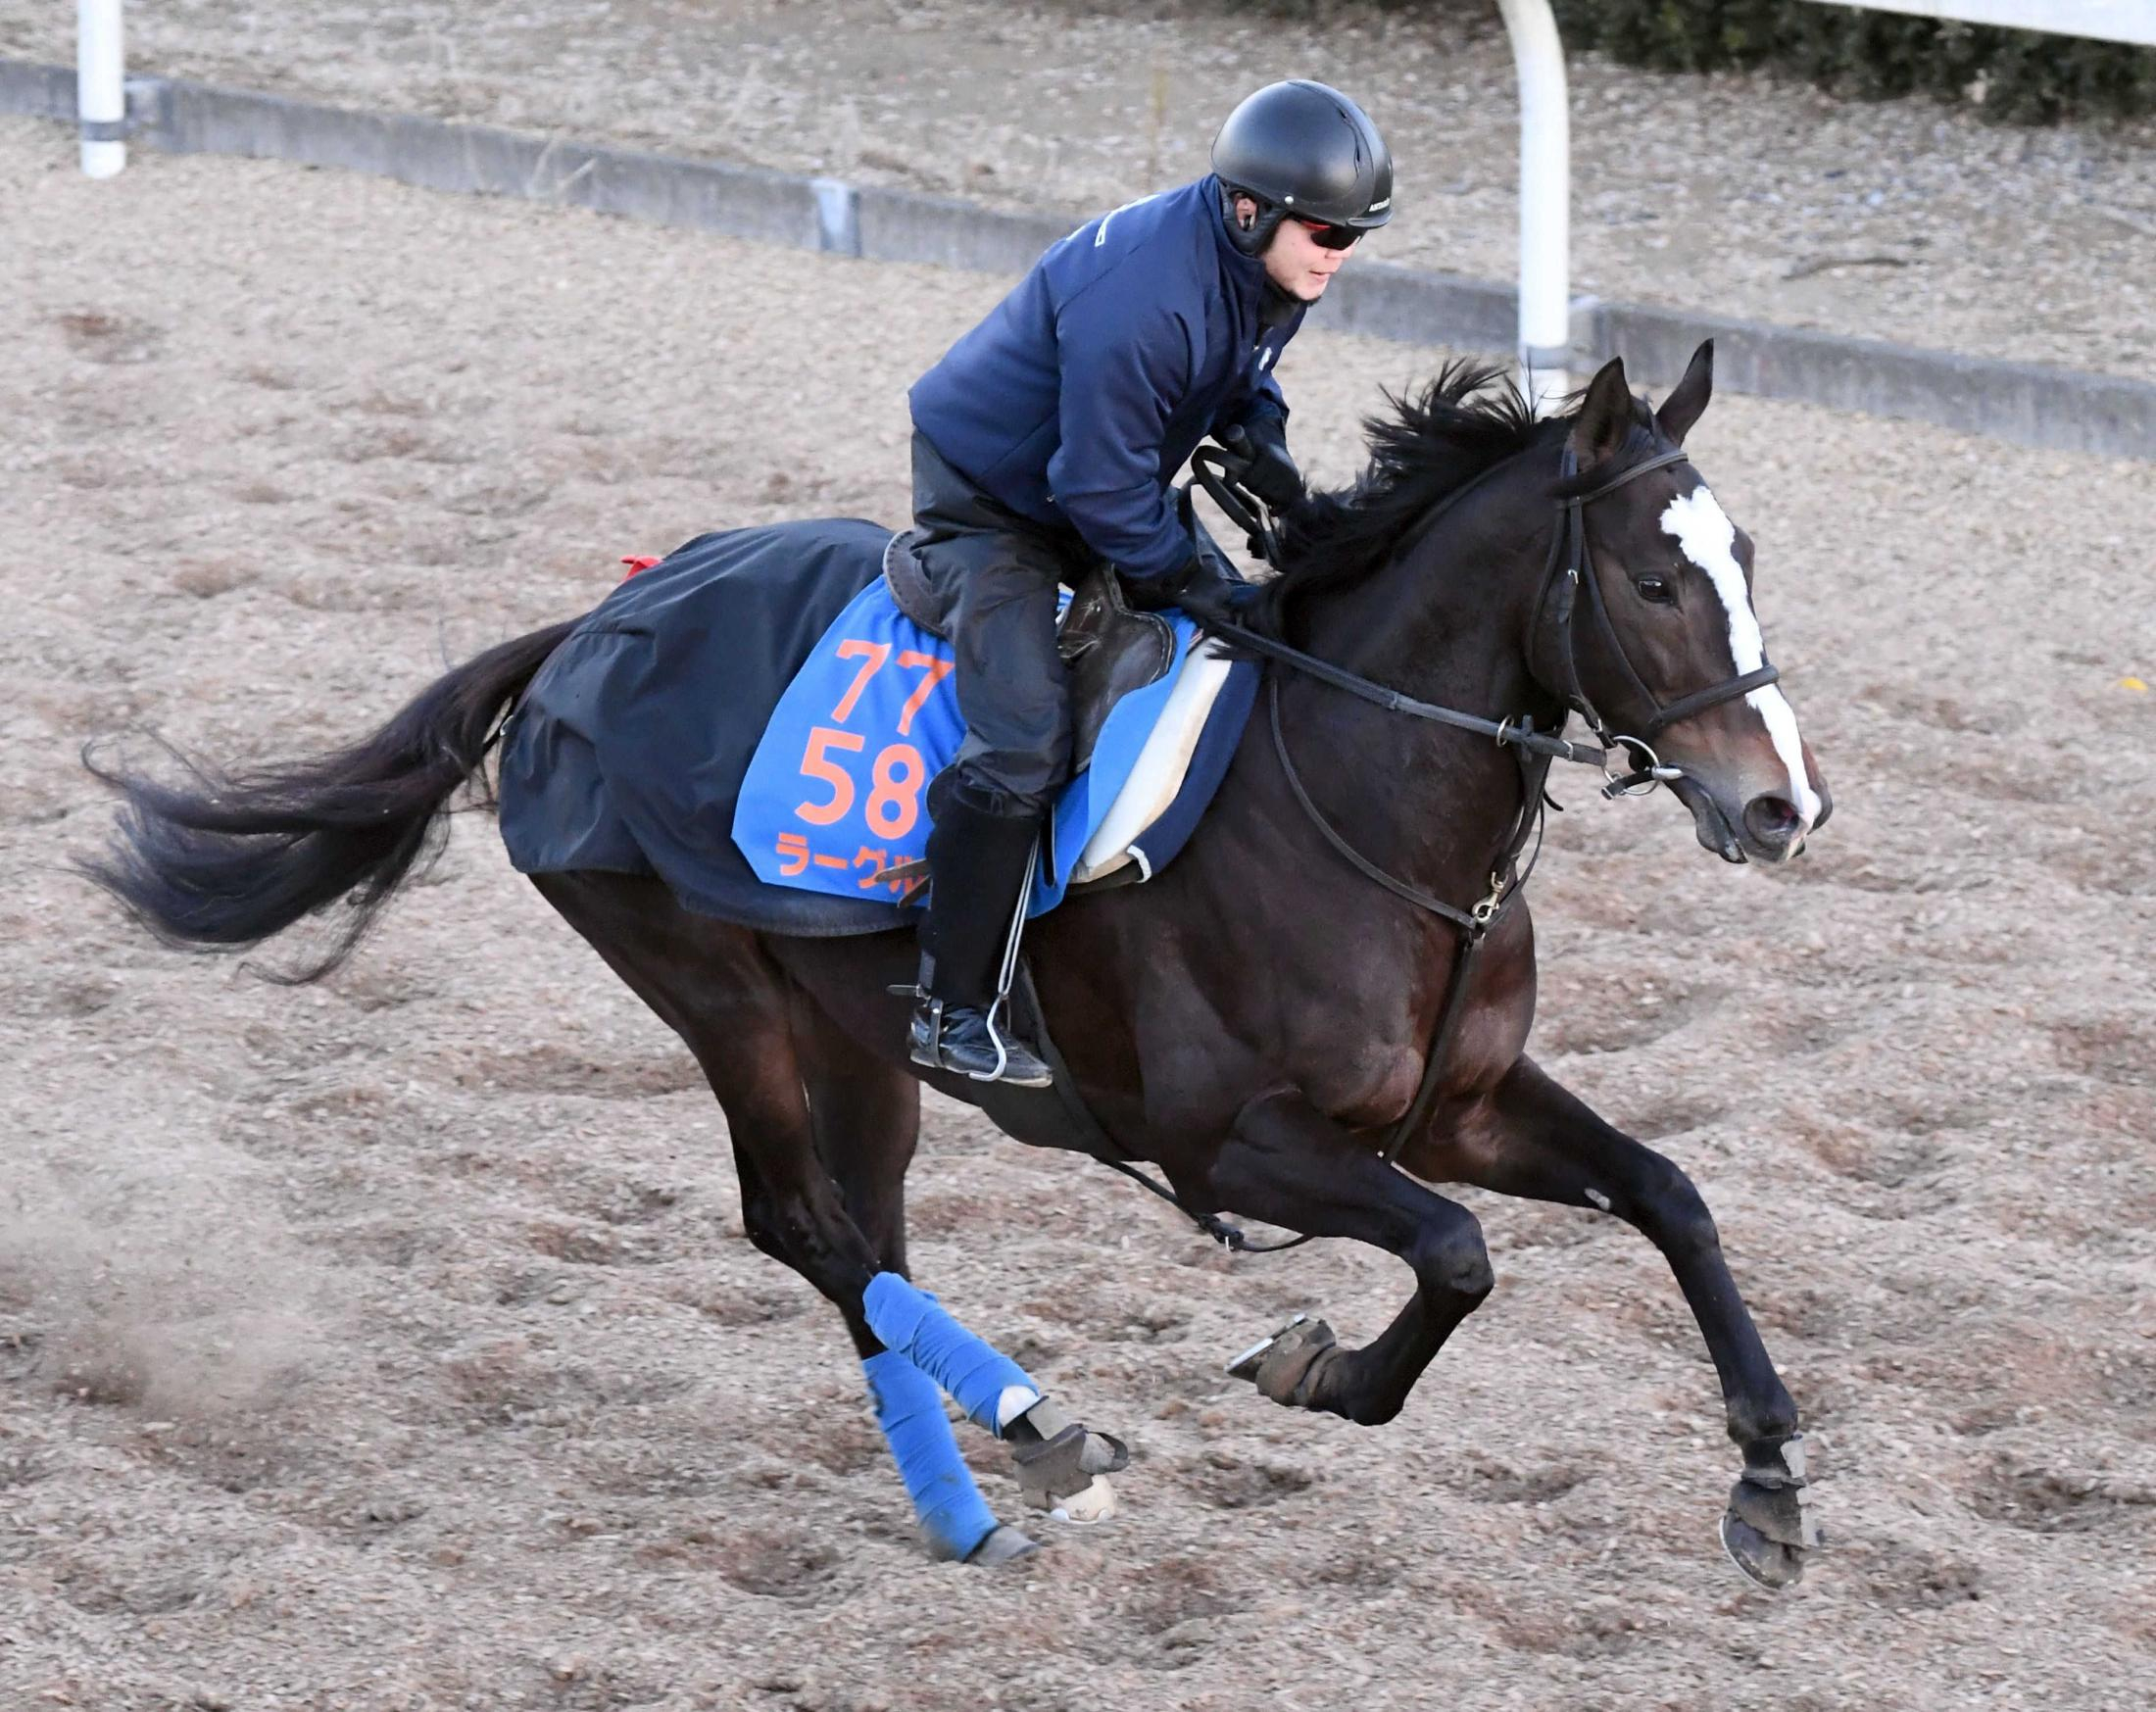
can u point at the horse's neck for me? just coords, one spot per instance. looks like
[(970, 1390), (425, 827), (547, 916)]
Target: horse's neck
[(1448, 621)]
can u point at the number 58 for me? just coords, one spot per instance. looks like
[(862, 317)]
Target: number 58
[(896, 777)]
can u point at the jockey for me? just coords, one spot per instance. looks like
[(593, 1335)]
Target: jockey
[(1049, 435)]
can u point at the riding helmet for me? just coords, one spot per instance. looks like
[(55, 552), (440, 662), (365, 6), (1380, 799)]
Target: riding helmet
[(1304, 149)]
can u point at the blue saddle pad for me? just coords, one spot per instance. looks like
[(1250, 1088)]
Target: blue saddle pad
[(833, 798)]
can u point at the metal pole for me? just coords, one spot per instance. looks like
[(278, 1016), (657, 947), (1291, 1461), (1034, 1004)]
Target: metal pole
[(1546, 199), (101, 86)]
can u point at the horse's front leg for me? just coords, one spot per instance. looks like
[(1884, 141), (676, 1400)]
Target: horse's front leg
[(1288, 1164), (1531, 1137)]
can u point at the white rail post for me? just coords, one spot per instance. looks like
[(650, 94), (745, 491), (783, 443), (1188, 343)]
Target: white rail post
[(101, 86), (1546, 199)]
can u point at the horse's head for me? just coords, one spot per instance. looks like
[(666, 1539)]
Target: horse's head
[(1658, 641)]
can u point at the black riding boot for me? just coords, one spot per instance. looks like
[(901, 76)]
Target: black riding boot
[(977, 863)]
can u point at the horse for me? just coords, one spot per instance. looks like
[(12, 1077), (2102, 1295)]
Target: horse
[(1316, 1013)]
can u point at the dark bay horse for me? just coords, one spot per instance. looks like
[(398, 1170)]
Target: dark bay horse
[(1284, 1037)]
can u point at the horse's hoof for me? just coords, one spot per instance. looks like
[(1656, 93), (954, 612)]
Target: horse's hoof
[(1001, 1544), (1285, 1365), (1063, 1475), (1769, 1527), (1094, 1503), (1245, 1366), (1780, 1513), (1768, 1562)]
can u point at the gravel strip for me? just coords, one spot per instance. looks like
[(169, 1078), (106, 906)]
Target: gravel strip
[(1733, 195)]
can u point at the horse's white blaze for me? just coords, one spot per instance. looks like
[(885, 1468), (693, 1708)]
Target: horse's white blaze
[(1705, 535)]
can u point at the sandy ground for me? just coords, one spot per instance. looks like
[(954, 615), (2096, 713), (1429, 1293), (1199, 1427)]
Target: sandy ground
[(395, 1344), (1733, 194)]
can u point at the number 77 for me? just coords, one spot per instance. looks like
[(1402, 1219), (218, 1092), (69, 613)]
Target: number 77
[(875, 654), (937, 670)]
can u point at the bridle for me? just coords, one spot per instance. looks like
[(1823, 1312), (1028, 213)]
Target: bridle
[(1569, 568), (1570, 553)]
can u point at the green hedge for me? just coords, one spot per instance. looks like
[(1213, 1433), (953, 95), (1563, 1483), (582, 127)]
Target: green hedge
[(2021, 76), (2024, 78)]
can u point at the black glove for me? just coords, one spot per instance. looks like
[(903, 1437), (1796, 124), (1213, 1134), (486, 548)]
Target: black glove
[(1197, 585), (1272, 476), (1151, 594), (1212, 594), (1217, 601)]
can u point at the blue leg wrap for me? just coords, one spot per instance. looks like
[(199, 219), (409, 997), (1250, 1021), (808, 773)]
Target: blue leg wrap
[(910, 1410), (908, 1321)]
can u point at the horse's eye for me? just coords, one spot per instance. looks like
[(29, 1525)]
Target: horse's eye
[(1653, 588)]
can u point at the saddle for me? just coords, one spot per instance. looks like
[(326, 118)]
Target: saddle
[(1108, 648)]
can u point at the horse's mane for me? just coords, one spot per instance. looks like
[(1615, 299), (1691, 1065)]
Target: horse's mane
[(1424, 449)]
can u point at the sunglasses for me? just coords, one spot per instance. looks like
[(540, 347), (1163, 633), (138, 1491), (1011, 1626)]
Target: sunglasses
[(1327, 236)]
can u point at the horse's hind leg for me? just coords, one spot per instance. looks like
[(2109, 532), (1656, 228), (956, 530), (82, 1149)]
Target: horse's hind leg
[(866, 1115), (1533, 1138), (712, 985), (715, 986)]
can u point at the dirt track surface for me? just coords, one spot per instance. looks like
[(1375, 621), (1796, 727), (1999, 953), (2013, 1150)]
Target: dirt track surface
[(395, 1343), (1734, 195)]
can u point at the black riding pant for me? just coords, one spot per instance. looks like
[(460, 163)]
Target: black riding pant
[(996, 572)]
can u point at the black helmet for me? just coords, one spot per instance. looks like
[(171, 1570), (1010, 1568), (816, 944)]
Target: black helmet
[(1309, 151)]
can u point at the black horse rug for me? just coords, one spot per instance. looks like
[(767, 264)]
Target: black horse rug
[(755, 718)]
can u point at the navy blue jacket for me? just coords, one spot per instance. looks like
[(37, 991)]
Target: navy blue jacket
[(1080, 396)]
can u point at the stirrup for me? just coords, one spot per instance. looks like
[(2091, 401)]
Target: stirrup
[(924, 1031), (929, 1045)]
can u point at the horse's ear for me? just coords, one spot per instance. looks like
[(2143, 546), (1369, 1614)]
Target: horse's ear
[(1685, 405), (1605, 415)]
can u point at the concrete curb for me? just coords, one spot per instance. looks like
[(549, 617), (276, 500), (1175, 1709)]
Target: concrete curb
[(2026, 403), (36, 91), (2029, 403)]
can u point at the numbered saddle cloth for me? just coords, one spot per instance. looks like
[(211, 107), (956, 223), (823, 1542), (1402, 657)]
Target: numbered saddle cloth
[(754, 720)]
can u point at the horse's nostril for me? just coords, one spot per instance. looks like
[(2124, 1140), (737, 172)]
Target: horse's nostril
[(1772, 819)]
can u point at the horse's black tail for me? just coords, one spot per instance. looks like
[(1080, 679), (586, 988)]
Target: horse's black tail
[(223, 862)]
